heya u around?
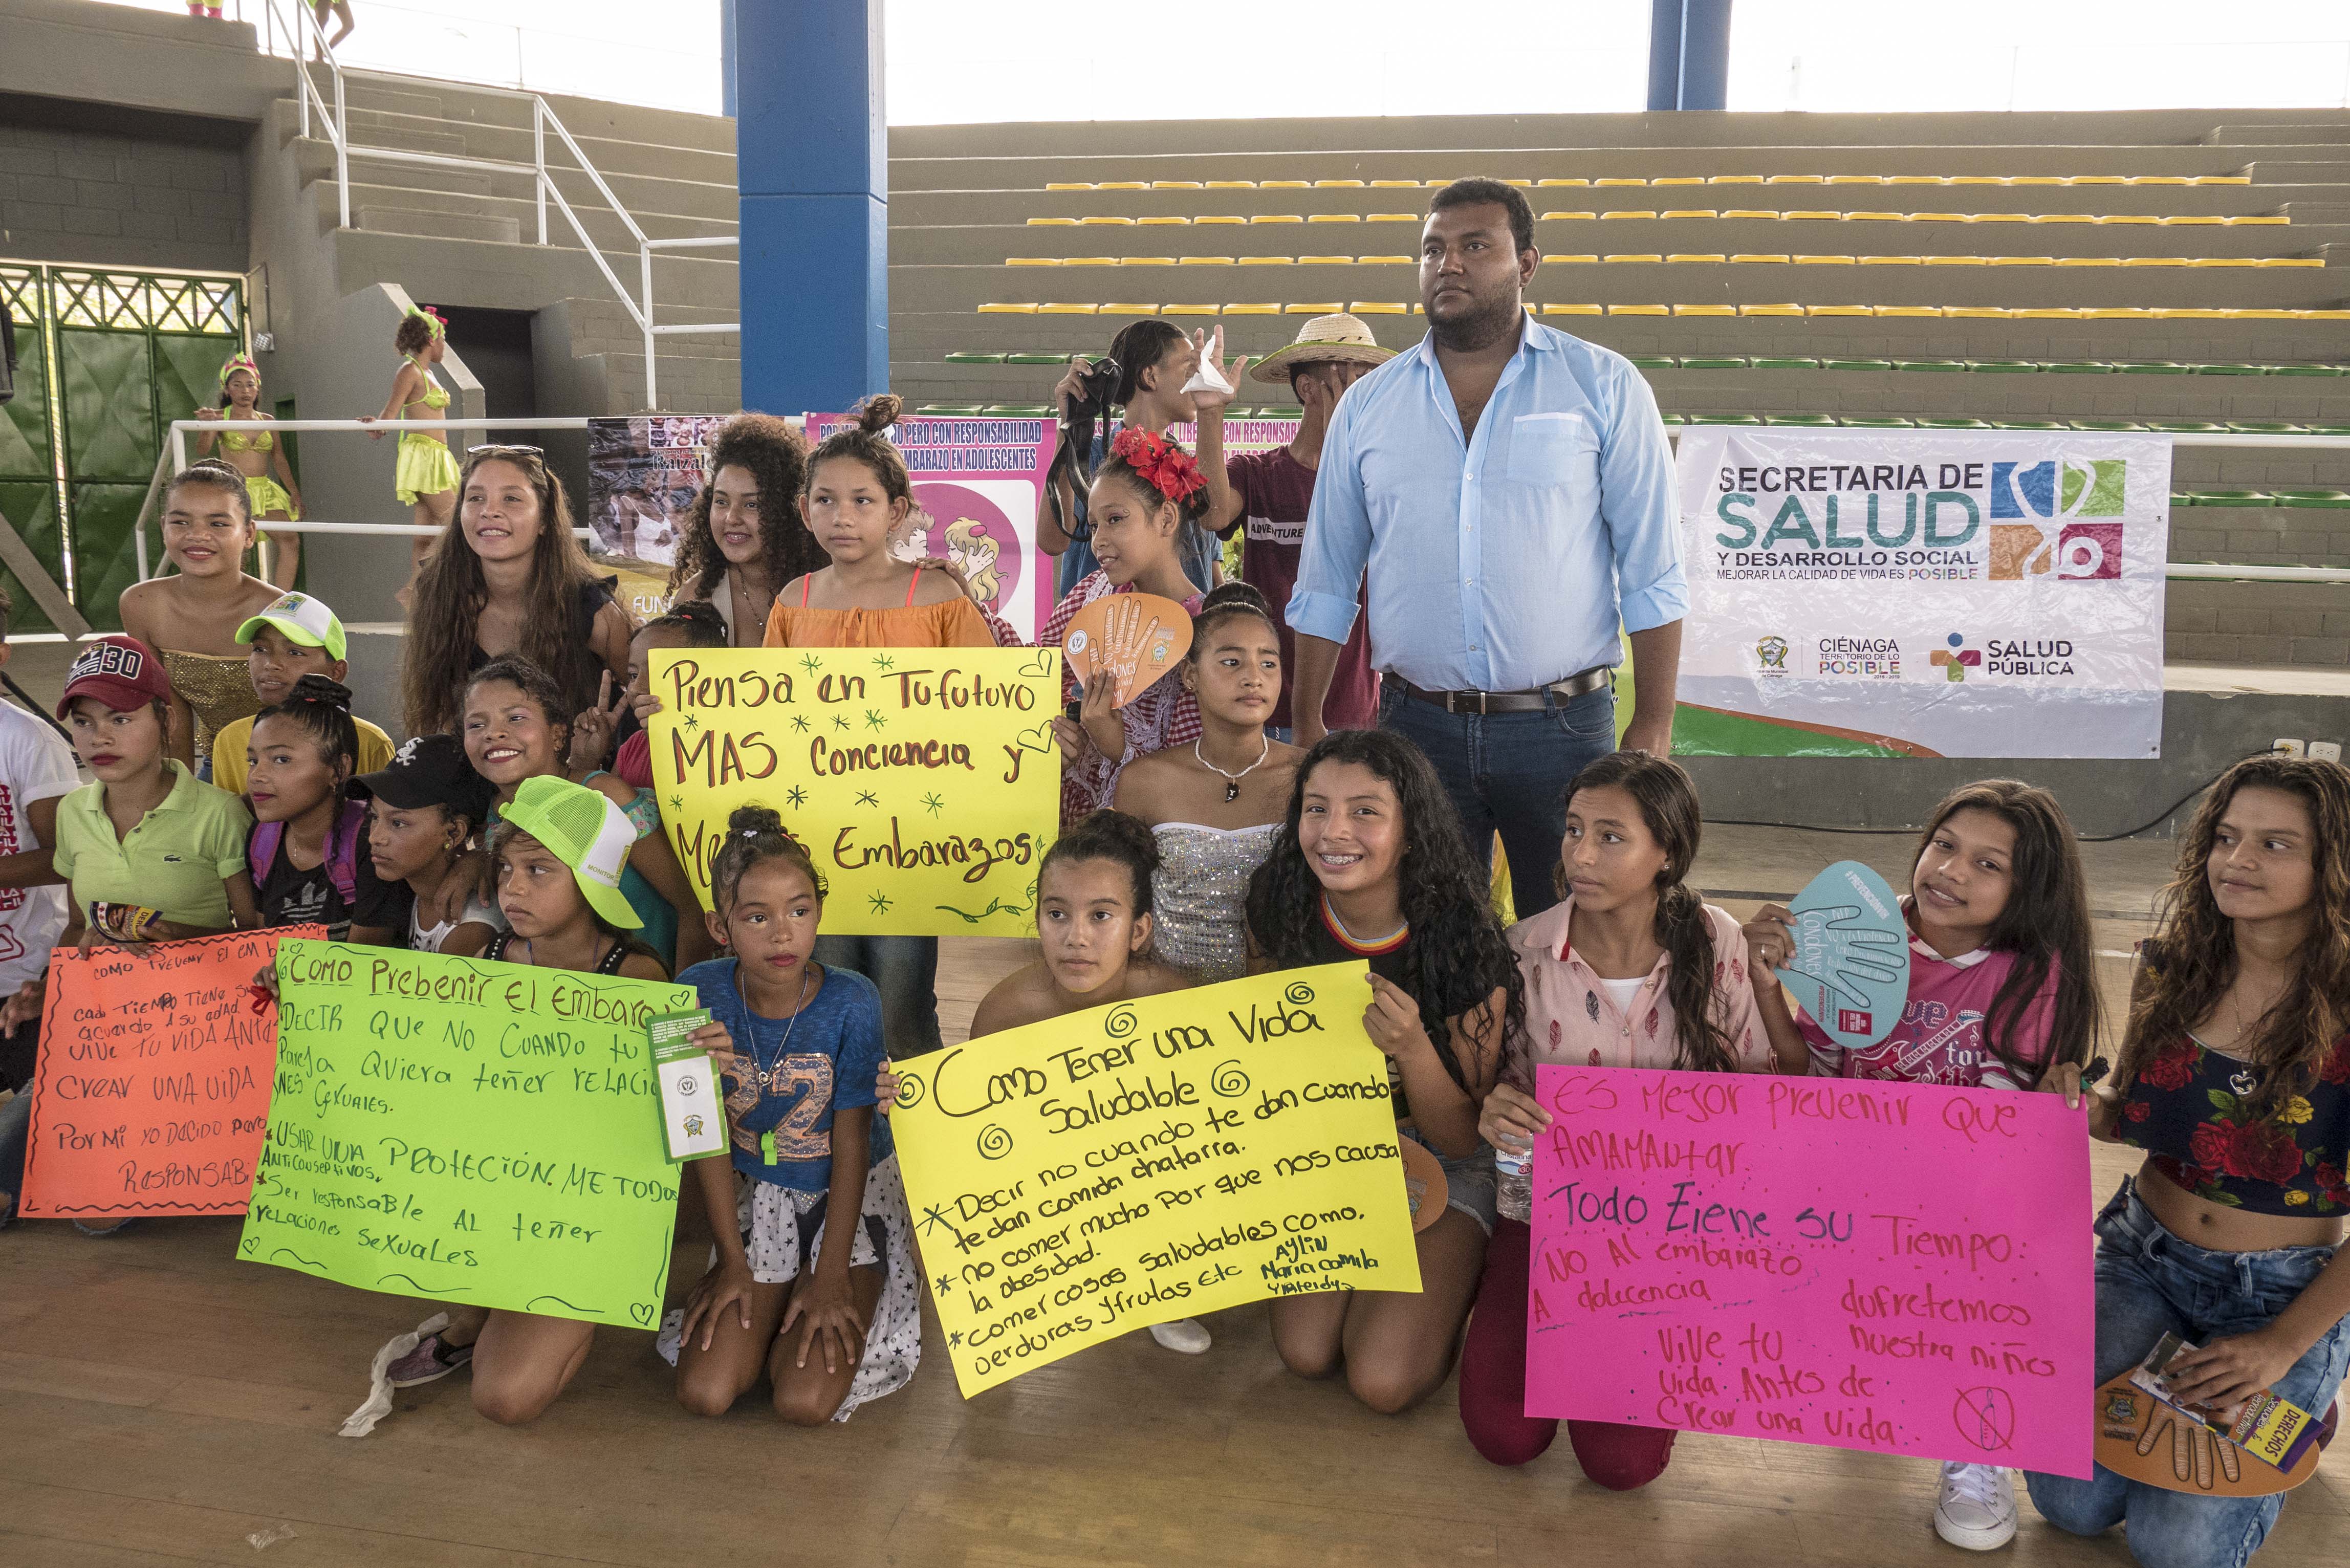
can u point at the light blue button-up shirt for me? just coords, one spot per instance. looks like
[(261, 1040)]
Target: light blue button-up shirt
[(1507, 562)]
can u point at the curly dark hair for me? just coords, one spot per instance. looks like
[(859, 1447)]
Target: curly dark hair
[(413, 335), (2190, 962), (774, 454), (1455, 957), (1126, 842)]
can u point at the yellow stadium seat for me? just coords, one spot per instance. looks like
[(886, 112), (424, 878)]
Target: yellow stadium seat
[(1332, 309), (1878, 217), (1203, 260), (2258, 218), (1283, 185), (1904, 310), (1231, 184), (1276, 218), (1176, 185), (1088, 261), (1838, 310), (1391, 217), (1733, 179), (2153, 261), (1107, 221), (1066, 185), (1755, 256), (2049, 313), (1697, 258), (1823, 261), (1395, 184), (1653, 259), (2023, 261), (1952, 261), (2196, 313), (1797, 180), (1941, 217), (1574, 260), (1677, 180), (1618, 179), (2223, 180), (1639, 311), (1190, 310), (2062, 218), (1162, 222), (2162, 179), (2034, 179), (1997, 218), (1379, 307), (1856, 179), (1913, 179), (2126, 218), (1560, 310), (1705, 310), (1067, 309), (1978, 312), (1812, 214), (1051, 222), (1217, 218), (2260, 316), (1386, 261), (1889, 260), (1127, 310), (1123, 185), (1337, 184), (2289, 261), (1326, 261), (1268, 261), (1146, 261), (1335, 218), (2191, 220), (1252, 310), (2097, 180), (1627, 213), (1031, 261), (2088, 261), (1528, 184), (1574, 182), (1007, 310), (2116, 313), (1973, 180), (1795, 310), (1569, 217), (1750, 212), (1689, 213), (2322, 315)]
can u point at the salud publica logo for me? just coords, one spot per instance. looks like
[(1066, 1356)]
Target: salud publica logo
[(2005, 655)]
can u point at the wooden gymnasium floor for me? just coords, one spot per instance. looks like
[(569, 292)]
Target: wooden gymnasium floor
[(159, 1403)]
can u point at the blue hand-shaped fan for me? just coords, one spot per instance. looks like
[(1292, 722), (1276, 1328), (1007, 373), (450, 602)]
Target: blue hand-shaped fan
[(1850, 966)]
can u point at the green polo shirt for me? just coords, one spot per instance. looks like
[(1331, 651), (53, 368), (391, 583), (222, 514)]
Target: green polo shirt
[(174, 862)]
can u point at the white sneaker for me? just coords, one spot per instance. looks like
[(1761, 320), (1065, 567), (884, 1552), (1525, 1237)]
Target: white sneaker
[(1977, 1510), (1188, 1336)]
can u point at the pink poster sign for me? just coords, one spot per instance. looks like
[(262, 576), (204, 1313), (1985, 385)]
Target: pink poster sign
[(976, 481), (1896, 1267)]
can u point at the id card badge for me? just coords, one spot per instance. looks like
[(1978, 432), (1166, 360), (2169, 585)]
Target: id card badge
[(693, 1118)]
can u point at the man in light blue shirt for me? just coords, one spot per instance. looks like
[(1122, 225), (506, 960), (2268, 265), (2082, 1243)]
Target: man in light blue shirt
[(1509, 490)]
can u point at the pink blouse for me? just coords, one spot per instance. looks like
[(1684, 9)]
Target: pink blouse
[(1571, 1019)]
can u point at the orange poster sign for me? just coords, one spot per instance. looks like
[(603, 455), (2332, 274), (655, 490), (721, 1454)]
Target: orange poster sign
[(151, 1094)]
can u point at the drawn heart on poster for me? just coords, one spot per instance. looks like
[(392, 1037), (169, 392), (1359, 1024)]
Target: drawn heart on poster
[(1039, 739), (643, 1313), (1132, 639)]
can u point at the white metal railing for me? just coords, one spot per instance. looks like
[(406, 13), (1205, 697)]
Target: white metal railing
[(175, 458), (306, 30)]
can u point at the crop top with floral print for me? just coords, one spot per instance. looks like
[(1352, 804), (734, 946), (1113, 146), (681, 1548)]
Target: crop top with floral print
[(2187, 1110)]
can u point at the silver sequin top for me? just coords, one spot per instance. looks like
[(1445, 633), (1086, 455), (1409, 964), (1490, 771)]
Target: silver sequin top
[(1199, 893)]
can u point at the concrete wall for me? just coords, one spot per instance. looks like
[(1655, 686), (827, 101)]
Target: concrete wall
[(163, 192)]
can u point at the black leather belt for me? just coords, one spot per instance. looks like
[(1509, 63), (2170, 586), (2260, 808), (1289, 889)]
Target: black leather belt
[(1541, 697)]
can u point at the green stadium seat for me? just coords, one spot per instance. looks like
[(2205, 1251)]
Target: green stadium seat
[(2222, 498), (2112, 426), (1034, 356), (1930, 364), (2154, 368), (1804, 421), (2030, 425), (2327, 429), (951, 409), (2309, 369), (2186, 427), (1857, 365), (2002, 367), (1875, 422), (1713, 362), (2078, 367), (1785, 362), (1940, 422), (1672, 418), (974, 357), (1281, 412), (1652, 361), (2231, 369), (2328, 500), (1725, 418), (2264, 427)]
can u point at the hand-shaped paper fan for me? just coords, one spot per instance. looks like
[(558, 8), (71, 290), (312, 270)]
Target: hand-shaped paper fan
[(1133, 638), (1850, 966)]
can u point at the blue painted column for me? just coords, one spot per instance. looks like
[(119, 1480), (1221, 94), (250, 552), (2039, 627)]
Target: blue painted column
[(812, 150), (1689, 53)]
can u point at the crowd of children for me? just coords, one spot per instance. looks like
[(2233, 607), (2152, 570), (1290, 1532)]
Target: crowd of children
[(516, 822)]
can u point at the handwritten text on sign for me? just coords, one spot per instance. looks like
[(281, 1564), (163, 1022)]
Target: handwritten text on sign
[(1077, 1179), (1896, 1267), (925, 780), (467, 1131), (153, 1084)]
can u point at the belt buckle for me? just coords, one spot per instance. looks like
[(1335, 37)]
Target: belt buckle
[(1479, 709)]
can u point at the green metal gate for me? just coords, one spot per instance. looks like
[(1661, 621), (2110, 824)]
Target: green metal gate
[(107, 359)]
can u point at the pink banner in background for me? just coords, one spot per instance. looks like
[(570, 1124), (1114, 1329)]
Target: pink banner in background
[(1895, 1267)]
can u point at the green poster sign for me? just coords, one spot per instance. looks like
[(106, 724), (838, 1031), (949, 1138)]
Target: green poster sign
[(463, 1131)]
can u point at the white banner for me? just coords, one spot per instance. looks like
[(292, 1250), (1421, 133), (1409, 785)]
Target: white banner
[(1922, 593)]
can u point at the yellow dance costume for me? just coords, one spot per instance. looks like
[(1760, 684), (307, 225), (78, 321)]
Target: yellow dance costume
[(426, 466), (266, 494)]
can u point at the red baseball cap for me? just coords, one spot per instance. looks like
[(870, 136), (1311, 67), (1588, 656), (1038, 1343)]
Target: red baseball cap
[(121, 672)]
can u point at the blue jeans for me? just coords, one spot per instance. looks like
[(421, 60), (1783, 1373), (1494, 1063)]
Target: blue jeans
[(905, 970), (2149, 1280), (1508, 773)]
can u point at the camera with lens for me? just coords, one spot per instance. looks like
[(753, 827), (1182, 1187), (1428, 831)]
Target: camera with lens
[(1097, 385)]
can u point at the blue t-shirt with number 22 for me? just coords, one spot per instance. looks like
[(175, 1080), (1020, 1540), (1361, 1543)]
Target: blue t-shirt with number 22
[(834, 1055)]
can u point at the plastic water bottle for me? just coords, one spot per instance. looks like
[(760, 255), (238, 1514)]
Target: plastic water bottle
[(1514, 1175)]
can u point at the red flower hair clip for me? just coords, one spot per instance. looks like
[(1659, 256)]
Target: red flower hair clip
[(1164, 465)]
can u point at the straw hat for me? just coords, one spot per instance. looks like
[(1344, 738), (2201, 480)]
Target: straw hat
[(1326, 337)]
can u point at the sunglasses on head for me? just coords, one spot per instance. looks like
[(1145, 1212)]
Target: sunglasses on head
[(539, 451)]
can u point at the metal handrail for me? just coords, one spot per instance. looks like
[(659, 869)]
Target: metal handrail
[(542, 116)]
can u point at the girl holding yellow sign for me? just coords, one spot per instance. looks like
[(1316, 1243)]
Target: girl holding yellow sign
[(1371, 865)]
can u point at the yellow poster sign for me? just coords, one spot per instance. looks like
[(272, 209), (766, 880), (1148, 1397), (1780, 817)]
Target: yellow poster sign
[(1079, 1180), (925, 781)]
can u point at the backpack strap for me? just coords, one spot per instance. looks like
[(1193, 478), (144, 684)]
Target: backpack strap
[(261, 849), (343, 851)]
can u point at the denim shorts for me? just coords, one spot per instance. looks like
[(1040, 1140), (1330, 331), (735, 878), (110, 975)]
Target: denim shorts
[(1469, 1183)]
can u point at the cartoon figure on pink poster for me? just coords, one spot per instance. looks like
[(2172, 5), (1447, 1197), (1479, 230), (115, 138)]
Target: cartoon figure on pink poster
[(961, 526)]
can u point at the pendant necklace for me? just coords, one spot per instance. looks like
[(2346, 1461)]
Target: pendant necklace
[(769, 1078), (1232, 781)]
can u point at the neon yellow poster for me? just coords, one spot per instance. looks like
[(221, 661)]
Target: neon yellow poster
[(467, 1131), (925, 781), (1079, 1179)]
